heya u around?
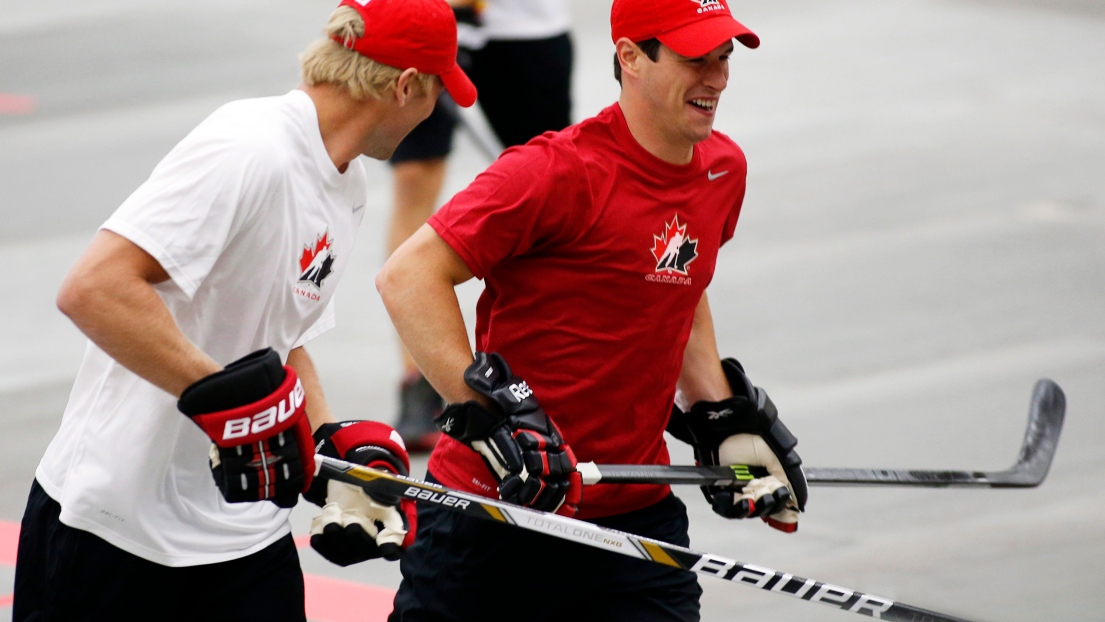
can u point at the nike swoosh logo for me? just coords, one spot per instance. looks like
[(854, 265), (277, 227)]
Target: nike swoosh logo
[(357, 208), (712, 175)]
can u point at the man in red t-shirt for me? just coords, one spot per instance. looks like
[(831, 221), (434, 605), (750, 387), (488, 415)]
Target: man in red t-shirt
[(594, 335)]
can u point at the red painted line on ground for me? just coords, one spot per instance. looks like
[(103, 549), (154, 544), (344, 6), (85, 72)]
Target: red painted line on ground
[(17, 104), (9, 542), (335, 600), (328, 600)]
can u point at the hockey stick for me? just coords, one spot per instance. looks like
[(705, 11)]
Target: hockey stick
[(1041, 437), (383, 483), (485, 141)]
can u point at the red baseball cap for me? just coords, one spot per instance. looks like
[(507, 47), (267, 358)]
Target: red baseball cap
[(691, 28), (413, 33)]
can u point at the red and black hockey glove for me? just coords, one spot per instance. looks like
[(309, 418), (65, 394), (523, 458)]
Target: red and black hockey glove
[(519, 442), (355, 526), (745, 430), (254, 412)]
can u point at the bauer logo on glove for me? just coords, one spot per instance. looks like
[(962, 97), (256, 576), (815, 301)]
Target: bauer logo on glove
[(253, 411), (262, 421)]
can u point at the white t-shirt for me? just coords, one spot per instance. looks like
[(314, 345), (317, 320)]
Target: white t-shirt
[(517, 20), (255, 225)]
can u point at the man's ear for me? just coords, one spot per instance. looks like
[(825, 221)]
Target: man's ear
[(405, 86), (629, 56)]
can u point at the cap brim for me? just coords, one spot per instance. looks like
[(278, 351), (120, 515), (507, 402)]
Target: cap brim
[(458, 85), (701, 37)]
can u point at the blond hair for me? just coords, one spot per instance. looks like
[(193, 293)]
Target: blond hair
[(327, 61)]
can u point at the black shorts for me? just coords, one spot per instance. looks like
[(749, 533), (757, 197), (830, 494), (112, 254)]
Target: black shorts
[(64, 574), (464, 568), (524, 90)]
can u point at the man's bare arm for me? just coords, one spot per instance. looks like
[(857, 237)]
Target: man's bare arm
[(109, 295), (702, 378), (318, 410), (417, 286)]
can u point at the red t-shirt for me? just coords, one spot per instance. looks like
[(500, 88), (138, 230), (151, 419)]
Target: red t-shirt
[(594, 254)]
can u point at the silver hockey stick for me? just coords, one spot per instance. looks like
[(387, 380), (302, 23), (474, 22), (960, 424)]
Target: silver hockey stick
[(1041, 437), (475, 125), (381, 482)]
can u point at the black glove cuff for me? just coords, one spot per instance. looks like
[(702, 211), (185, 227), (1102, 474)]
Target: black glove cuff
[(468, 422), (247, 380), (749, 411), (316, 494), (489, 375), (738, 381), (677, 425), (323, 444)]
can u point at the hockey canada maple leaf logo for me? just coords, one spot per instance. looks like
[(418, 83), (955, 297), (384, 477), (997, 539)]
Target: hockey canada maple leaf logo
[(708, 5), (316, 263), (673, 250)]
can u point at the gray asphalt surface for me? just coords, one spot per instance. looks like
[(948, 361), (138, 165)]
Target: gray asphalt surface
[(923, 238)]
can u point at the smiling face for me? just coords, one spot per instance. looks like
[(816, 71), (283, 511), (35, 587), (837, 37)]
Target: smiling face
[(677, 96)]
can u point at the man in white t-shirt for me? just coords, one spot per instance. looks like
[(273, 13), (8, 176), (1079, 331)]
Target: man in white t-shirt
[(233, 246)]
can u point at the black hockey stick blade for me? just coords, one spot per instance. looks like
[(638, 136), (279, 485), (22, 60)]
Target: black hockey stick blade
[(381, 483), (1041, 437)]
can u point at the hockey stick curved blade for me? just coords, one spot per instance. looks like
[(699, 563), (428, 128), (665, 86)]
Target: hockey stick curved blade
[(383, 483), (1041, 437)]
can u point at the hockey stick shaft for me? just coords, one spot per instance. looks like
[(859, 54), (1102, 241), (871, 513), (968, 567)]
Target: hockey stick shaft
[(383, 483), (486, 143), (1045, 422)]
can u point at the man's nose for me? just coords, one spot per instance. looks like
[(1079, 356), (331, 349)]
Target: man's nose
[(717, 76)]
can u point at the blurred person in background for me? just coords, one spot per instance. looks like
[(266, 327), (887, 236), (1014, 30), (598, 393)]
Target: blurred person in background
[(519, 55)]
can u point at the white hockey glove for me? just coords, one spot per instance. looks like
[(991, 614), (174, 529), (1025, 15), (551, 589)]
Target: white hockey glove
[(744, 432), (354, 526)]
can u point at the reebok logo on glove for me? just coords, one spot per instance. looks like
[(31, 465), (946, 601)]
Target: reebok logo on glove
[(520, 391), (237, 428), (516, 438), (714, 415), (447, 425)]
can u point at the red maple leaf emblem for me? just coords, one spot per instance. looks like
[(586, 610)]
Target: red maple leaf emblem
[(673, 250), (673, 235), (309, 254)]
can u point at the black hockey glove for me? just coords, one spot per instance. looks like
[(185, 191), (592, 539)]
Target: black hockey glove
[(745, 430), (519, 442), (355, 526), (254, 412)]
